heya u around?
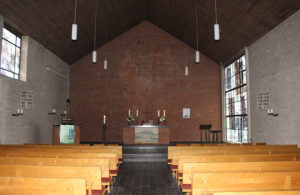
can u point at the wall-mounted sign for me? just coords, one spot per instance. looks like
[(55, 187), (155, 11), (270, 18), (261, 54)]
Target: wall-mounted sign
[(186, 113), (27, 98), (263, 100)]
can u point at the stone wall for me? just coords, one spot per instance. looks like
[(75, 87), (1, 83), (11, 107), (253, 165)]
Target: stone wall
[(50, 92), (275, 68)]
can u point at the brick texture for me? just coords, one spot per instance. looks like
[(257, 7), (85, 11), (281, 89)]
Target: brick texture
[(145, 72)]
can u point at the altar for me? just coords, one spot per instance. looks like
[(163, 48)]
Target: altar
[(146, 134)]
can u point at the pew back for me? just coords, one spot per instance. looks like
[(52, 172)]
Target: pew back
[(244, 181), (45, 186)]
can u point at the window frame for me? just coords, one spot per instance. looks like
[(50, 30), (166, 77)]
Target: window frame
[(243, 117), (18, 35)]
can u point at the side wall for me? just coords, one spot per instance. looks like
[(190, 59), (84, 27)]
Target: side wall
[(50, 92), (145, 72), (275, 68)]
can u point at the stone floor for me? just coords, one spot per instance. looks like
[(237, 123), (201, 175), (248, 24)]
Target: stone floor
[(145, 178)]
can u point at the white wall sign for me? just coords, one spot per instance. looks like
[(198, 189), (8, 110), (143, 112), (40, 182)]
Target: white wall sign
[(186, 113)]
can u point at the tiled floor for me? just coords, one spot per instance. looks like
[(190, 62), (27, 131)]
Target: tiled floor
[(145, 178)]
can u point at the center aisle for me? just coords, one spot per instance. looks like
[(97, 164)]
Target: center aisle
[(145, 178)]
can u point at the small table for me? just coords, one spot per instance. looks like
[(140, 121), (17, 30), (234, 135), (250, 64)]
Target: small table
[(205, 128), (215, 134)]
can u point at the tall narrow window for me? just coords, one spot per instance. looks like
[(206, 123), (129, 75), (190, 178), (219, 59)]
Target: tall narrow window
[(11, 53), (236, 114)]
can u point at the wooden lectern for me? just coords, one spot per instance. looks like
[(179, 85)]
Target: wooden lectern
[(56, 135)]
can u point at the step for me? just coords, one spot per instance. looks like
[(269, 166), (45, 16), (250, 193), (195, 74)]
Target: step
[(145, 153)]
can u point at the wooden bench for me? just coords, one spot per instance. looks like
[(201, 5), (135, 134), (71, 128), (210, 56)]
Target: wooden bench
[(102, 163), (112, 157), (92, 175), (78, 148), (234, 158), (219, 167), (259, 193), (175, 156), (174, 149), (45, 186), (209, 183)]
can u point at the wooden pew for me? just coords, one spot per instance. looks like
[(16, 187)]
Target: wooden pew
[(172, 149), (81, 148), (259, 193), (209, 183), (112, 157), (102, 163), (175, 156), (92, 175), (235, 158), (219, 167), (45, 186)]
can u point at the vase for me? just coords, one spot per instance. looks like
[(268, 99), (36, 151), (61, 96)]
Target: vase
[(128, 123)]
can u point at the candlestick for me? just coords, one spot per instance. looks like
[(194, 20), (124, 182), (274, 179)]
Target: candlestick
[(158, 113), (137, 112), (104, 119), (129, 112), (164, 112)]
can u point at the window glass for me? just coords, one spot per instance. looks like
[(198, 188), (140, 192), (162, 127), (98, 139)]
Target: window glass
[(236, 101), (11, 53)]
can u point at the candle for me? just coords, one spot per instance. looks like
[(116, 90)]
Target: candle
[(19, 110), (137, 112), (104, 119), (65, 112), (54, 110), (129, 112), (158, 113), (164, 112)]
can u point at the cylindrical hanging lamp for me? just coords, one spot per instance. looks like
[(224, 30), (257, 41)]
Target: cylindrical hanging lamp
[(105, 64), (197, 54), (216, 25), (74, 26), (94, 60), (217, 32), (94, 56), (186, 71), (197, 57)]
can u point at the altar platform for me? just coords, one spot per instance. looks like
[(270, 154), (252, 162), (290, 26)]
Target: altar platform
[(146, 134)]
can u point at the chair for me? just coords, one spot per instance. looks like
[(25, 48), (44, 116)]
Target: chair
[(205, 128)]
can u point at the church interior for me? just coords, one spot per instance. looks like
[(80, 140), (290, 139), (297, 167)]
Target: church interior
[(149, 97)]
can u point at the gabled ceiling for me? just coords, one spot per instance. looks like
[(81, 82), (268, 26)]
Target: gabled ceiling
[(241, 22)]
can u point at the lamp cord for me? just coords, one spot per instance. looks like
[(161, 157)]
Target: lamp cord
[(216, 12), (197, 26), (95, 32), (75, 12)]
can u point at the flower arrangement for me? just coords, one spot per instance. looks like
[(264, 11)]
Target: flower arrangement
[(130, 118), (162, 118)]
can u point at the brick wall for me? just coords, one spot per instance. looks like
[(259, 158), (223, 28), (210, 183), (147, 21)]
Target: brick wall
[(145, 72)]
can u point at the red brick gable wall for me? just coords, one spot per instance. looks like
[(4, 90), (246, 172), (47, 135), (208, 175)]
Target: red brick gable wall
[(145, 72)]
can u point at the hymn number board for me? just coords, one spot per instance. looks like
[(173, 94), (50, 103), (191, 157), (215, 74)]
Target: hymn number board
[(27, 98), (263, 100)]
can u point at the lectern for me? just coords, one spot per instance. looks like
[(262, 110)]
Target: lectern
[(56, 134)]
